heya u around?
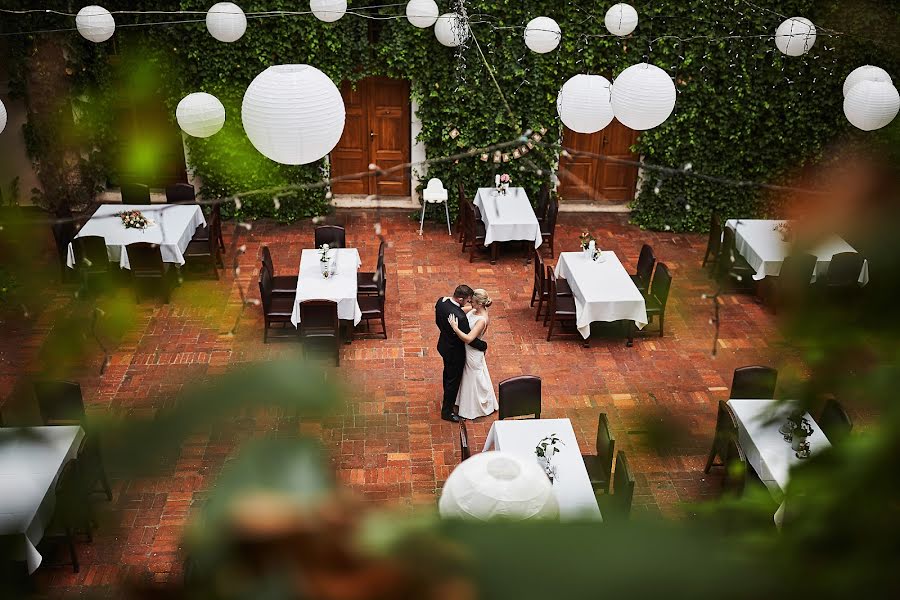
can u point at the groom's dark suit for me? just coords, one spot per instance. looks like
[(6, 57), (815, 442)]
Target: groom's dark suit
[(452, 350)]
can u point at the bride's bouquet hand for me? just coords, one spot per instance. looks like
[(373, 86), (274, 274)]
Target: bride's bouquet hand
[(453, 322)]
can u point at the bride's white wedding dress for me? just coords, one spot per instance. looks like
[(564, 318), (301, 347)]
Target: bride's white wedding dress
[(476, 396)]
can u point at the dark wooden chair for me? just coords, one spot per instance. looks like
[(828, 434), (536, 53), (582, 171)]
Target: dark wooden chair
[(834, 420), (644, 272), (63, 233), (658, 296), (475, 232), (791, 287), (461, 214), (714, 242), (726, 430), (212, 229), (548, 227), (282, 285), (543, 203), (732, 270), (464, 441), (520, 396), (735, 469), (367, 283), (841, 282), (205, 252), (599, 465), (69, 513), (617, 506), (372, 308), (180, 193), (540, 291), (561, 309), (135, 193), (333, 235), (149, 270), (753, 382), (276, 308), (320, 328), (91, 261)]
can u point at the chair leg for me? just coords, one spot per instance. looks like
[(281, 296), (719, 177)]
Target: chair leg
[(534, 294), (710, 462), (662, 320), (70, 540), (537, 317), (550, 331), (266, 332), (422, 220), (447, 212), (384, 326)]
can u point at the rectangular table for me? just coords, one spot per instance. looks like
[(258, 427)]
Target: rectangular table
[(763, 247), (173, 227), (31, 460), (572, 485), (603, 290), (339, 287), (507, 218)]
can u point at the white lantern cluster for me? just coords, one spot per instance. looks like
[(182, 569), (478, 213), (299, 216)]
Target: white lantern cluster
[(621, 19), (95, 23), (200, 114), (870, 101), (584, 103), (328, 11), (422, 13), (293, 114), (795, 36), (2, 116), (451, 29), (865, 73), (643, 96), (542, 35), (226, 22)]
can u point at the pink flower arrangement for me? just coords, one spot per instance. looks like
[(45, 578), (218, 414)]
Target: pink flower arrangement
[(134, 219), (505, 178)]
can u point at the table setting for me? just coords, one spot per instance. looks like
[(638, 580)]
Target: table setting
[(507, 214), (329, 274)]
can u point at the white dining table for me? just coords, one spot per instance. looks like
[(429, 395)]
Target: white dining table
[(762, 246), (602, 289), (507, 217), (31, 460), (340, 287), (571, 484), (172, 229)]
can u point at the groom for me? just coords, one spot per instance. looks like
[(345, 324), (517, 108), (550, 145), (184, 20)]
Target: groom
[(451, 348)]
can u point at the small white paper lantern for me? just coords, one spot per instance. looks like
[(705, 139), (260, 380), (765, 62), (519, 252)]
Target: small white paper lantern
[(498, 485), (621, 19), (451, 30), (200, 114), (328, 10), (865, 73), (2, 117), (584, 103), (643, 96), (870, 105), (542, 35), (226, 22), (422, 13), (795, 36), (95, 23), (293, 114)]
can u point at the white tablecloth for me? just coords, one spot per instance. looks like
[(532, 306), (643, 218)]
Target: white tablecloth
[(31, 460), (340, 287), (603, 291), (763, 247), (571, 486), (507, 218), (173, 227)]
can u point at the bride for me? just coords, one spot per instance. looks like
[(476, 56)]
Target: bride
[(476, 396)]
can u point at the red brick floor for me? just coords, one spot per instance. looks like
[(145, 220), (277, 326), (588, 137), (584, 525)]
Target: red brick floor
[(391, 445)]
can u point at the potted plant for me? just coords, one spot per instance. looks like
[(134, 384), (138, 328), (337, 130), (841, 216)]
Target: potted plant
[(545, 450)]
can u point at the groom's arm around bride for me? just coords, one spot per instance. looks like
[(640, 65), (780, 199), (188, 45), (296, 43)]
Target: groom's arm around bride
[(443, 309)]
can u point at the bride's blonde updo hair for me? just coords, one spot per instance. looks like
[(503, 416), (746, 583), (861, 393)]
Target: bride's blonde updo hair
[(481, 298)]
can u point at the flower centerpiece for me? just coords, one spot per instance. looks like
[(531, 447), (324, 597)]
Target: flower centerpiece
[(585, 238), (796, 431), (325, 260), (134, 219), (503, 183), (786, 229), (545, 450)]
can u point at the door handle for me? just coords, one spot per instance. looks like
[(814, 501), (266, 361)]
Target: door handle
[(372, 134)]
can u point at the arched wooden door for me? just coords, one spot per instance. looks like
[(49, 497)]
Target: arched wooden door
[(587, 178)]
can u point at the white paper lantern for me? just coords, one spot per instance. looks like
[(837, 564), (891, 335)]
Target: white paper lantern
[(451, 30), (293, 114), (226, 22), (643, 96), (498, 485), (95, 23), (542, 35), (328, 10), (621, 19), (584, 103), (795, 36), (2, 117), (422, 13), (200, 114), (870, 105), (865, 73)]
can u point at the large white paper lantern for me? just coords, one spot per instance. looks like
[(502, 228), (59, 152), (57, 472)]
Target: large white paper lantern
[(422, 13), (871, 105), (498, 485), (2, 117), (293, 114), (621, 19), (200, 114), (584, 103), (226, 22), (542, 35), (795, 36), (95, 23), (451, 29), (643, 96), (865, 73), (328, 10)]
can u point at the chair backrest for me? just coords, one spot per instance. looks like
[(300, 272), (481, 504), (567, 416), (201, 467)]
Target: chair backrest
[(60, 402), (333, 235), (266, 284), (267, 261), (552, 213), (543, 201), (520, 396), (135, 193), (435, 185), (180, 192), (71, 495), (540, 274), (754, 382), (606, 444), (735, 468), (145, 257), (714, 243), (464, 441), (834, 420), (90, 250), (726, 423), (662, 283), (645, 263), (319, 318), (844, 269), (379, 265), (797, 271), (623, 487), (461, 191)]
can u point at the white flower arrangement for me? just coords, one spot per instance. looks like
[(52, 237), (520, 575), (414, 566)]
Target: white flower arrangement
[(134, 219)]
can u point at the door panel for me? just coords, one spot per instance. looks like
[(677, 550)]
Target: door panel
[(600, 180), (351, 155)]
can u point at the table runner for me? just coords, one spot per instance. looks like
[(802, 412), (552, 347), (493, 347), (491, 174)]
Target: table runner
[(340, 287), (507, 218)]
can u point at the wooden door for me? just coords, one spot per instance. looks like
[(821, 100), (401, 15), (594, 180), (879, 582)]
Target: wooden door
[(377, 130), (587, 178)]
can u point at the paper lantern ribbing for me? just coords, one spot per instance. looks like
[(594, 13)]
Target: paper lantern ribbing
[(542, 35), (795, 36), (95, 23), (584, 103), (328, 10), (2, 117), (865, 73), (870, 105), (422, 13), (643, 96), (226, 22), (200, 114), (498, 485), (621, 19), (451, 30), (293, 114)]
